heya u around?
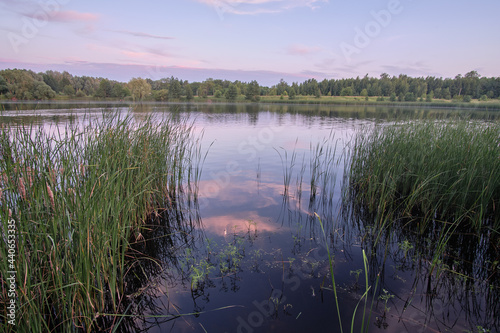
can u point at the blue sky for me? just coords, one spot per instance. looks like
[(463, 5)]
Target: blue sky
[(251, 39)]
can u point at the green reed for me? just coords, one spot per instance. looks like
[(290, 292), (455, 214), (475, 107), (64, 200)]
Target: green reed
[(427, 180), (330, 267), (315, 175), (438, 171), (365, 322), (78, 197)]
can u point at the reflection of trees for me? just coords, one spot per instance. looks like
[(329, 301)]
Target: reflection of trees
[(308, 111)]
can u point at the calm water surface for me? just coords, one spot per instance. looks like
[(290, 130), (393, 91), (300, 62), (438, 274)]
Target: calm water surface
[(253, 256)]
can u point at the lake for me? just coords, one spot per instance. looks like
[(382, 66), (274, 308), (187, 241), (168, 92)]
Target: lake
[(250, 252)]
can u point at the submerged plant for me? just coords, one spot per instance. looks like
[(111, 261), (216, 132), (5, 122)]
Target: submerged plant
[(405, 246), (356, 274), (385, 297), (221, 260), (199, 272)]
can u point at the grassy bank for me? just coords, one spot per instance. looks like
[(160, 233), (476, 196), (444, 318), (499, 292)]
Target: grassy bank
[(474, 104), (77, 199), (359, 100), (445, 171)]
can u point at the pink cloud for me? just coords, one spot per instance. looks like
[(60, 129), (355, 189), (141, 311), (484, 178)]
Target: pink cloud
[(133, 54), (228, 225), (146, 54), (71, 15), (302, 49), (64, 16)]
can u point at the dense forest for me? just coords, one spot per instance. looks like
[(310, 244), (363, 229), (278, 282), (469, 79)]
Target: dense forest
[(23, 84)]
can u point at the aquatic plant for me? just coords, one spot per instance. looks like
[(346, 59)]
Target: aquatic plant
[(79, 196), (330, 266), (445, 171), (432, 188), (385, 297)]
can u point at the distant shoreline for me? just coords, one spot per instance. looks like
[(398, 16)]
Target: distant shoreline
[(300, 100), (470, 91)]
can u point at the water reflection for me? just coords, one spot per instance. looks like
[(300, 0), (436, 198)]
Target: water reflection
[(442, 279), (249, 253), (153, 258)]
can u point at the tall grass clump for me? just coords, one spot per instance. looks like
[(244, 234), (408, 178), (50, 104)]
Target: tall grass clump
[(437, 171), (433, 187), (78, 197)]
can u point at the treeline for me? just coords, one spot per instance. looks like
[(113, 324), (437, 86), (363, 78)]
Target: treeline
[(406, 88), (27, 85)]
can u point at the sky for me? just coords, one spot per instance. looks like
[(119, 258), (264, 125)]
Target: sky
[(263, 40)]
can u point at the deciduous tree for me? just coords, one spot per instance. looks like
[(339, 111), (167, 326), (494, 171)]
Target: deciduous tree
[(139, 88), (189, 92), (42, 91), (231, 92), (104, 90), (174, 90), (3, 85), (252, 92)]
